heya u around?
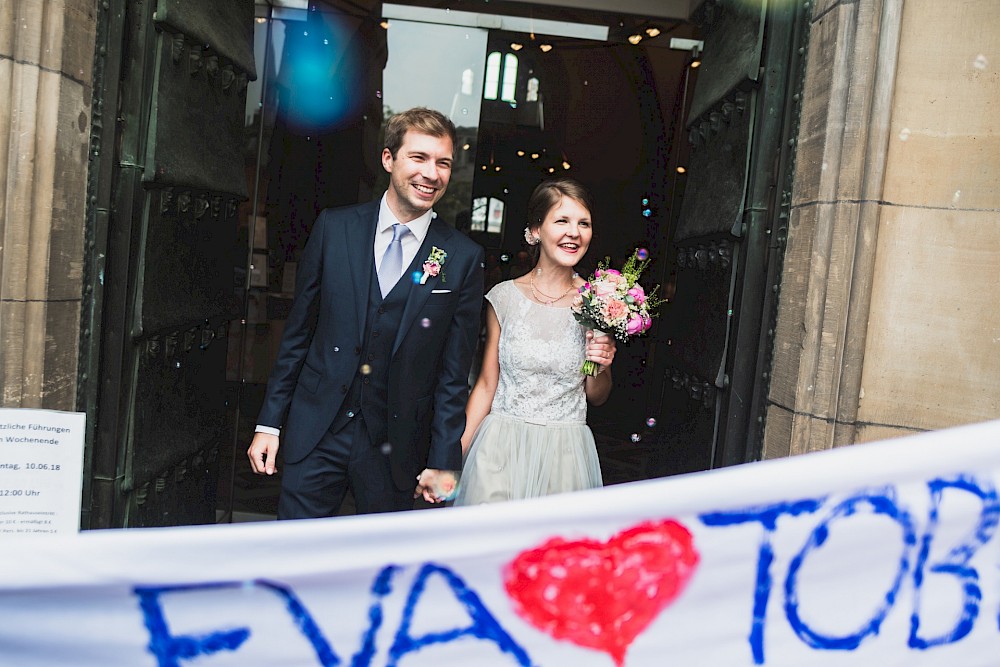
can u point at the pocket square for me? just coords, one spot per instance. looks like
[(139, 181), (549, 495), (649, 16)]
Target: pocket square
[(440, 291)]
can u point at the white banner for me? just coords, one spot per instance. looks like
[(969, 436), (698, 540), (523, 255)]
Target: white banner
[(878, 554)]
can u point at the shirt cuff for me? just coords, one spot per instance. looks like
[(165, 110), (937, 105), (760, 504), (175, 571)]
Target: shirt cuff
[(270, 430)]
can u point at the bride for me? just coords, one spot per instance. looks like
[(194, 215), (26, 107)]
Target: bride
[(526, 433)]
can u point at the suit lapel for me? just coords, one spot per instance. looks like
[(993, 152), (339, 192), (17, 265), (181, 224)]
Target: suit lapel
[(437, 235), (360, 245)]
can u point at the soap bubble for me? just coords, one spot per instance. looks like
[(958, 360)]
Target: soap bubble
[(416, 276), (386, 448), (426, 322), (904, 134), (980, 62), (642, 254), (366, 369), (636, 437), (651, 422)]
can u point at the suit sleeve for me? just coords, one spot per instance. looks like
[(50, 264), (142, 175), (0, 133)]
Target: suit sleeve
[(452, 391), (299, 329)]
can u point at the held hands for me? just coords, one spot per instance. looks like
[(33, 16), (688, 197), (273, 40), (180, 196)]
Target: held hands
[(436, 485), (262, 452), (601, 350)]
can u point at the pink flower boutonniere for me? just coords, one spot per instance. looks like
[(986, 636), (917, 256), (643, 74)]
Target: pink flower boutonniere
[(433, 264)]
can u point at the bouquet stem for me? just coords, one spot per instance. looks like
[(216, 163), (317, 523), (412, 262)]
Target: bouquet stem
[(592, 368)]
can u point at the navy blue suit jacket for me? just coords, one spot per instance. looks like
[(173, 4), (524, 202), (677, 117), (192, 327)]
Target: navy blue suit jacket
[(432, 352)]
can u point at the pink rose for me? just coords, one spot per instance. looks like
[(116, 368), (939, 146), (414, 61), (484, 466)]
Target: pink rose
[(613, 272), (615, 309), (432, 268), (638, 294), (635, 325), (615, 278), (604, 288)]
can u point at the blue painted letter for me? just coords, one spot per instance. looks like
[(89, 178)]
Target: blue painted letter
[(880, 501), (956, 563), (169, 650), (484, 626), (768, 516)]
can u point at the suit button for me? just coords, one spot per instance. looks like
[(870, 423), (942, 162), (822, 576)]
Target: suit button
[(350, 414), (343, 389), (381, 310), (374, 334), (371, 357), (367, 380), (357, 350)]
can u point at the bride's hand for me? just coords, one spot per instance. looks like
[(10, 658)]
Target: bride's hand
[(601, 349)]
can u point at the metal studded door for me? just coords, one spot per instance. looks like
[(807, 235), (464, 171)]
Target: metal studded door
[(169, 164), (727, 237)]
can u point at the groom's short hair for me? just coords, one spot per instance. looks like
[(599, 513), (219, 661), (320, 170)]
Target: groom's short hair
[(418, 119)]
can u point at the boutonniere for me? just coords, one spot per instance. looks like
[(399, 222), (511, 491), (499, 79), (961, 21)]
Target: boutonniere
[(433, 264)]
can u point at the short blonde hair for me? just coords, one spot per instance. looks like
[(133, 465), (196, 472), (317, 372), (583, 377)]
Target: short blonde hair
[(419, 119)]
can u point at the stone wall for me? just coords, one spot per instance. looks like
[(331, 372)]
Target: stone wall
[(46, 54), (886, 321)]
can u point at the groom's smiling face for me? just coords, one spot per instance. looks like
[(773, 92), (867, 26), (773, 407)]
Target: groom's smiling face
[(419, 173)]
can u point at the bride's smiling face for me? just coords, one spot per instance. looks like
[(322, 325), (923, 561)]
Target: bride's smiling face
[(565, 233)]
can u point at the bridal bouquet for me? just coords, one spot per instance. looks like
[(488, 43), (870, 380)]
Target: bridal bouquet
[(612, 302)]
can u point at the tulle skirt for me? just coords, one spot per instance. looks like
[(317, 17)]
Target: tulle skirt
[(512, 459)]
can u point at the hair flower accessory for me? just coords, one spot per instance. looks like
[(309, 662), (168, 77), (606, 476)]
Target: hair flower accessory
[(530, 238), (433, 264)]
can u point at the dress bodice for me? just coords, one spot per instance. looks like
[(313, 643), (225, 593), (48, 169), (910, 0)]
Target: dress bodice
[(541, 351)]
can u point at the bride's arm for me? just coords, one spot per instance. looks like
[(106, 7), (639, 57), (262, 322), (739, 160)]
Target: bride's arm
[(602, 352), (482, 394)]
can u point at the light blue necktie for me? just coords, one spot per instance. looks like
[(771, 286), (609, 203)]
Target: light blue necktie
[(392, 260)]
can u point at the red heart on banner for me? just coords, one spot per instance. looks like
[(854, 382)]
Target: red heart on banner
[(602, 595)]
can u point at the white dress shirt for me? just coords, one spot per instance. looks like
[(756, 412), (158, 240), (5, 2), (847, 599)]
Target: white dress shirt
[(383, 236)]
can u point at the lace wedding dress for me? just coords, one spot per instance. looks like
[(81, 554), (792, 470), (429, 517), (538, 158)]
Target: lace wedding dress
[(535, 441)]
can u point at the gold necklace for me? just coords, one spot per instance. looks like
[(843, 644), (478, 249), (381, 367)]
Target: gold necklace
[(548, 300)]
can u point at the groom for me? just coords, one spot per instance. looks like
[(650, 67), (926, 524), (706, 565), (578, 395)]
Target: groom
[(369, 388)]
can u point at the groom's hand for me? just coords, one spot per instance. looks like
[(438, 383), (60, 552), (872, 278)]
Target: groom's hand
[(262, 452), (436, 485)]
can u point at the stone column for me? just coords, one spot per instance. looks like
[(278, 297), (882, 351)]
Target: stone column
[(46, 54), (836, 204)]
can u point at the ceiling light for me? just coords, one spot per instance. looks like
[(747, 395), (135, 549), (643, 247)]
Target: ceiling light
[(484, 167), (496, 168), (551, 169), (545, 47), (385, 24), (520, 153), (695, 63), (634, 39), (465, 147), (534, 156), (681, 170), (652, 32), (565, 164), (261, 19), (516, 47)]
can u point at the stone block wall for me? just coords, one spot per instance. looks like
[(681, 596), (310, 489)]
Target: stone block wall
[(884, 324)]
